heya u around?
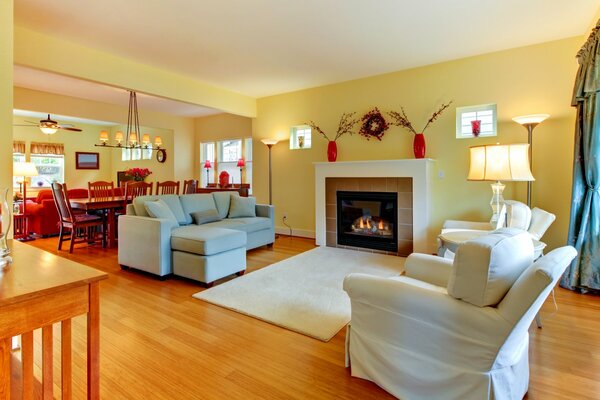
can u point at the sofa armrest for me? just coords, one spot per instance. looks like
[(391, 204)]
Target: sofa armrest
[(427, 268), (265, 210), (466, 225), (145, 243)]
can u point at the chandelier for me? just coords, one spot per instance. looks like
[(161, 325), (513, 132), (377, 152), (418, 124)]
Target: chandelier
[(132, 132)]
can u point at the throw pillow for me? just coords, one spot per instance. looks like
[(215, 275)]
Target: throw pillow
[(206, 216), (159, 209), (242, 207)]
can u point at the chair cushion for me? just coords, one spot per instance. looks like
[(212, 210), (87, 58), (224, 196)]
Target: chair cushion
[(518, 215), (485, 268), (222, 200), (206, 240), (160, 209), (204, 217), (242, 207), (540, 222), (86, 217)]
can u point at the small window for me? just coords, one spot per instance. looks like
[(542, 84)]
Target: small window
[(50, 168), (466, 121), (300, 137)]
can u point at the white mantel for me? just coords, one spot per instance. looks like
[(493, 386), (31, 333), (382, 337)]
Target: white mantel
[(420, 171)]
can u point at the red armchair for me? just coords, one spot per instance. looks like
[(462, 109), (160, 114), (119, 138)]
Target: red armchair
[(43, 217)]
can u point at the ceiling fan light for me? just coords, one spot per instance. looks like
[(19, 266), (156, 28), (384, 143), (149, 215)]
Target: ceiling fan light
[(48, 131)]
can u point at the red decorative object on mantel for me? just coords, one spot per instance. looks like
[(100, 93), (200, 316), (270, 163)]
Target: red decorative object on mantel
[(419, 145), (332, 151)]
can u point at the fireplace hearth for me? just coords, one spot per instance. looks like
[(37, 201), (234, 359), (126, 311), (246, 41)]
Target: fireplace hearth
[(368, 220)]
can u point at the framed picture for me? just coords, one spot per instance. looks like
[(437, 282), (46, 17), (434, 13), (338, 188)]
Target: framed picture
[(87, 160)]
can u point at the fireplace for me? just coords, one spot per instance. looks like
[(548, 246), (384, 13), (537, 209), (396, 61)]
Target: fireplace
[(368, 220)]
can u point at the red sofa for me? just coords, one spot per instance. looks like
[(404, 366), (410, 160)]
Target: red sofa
[(43, 217)]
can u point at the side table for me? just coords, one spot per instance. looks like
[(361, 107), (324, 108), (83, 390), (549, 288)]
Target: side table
[(20, 222)]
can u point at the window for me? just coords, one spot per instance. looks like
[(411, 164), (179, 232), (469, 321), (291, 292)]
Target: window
[(207, 152), (18, 157), (300, 137), (230, 151), (248, 159), (51, 168), (485, 113)]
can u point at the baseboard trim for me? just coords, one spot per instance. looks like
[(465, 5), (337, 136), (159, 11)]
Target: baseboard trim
[(282, 230)]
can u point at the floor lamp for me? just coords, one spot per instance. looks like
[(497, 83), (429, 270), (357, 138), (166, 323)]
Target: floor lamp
[(270, 143), (498, 163), (25, 170), (530, 122)]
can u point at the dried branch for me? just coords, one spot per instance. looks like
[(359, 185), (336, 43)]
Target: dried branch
[(436, 114), (346, 124), (316, 128), (400, 119)]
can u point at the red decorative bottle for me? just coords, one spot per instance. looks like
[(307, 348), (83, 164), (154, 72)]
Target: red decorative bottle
[(332, 151), (419, 145)]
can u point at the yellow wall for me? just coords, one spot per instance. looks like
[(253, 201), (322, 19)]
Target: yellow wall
[(180, 153), (534, 79), (6, 96), (73, 142), (219, 127)]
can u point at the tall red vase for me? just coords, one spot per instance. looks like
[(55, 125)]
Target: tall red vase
[(332, 151), (419, 145)]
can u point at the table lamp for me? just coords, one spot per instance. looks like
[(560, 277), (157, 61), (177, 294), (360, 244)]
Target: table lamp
[(270, 143), (241, 164), (25, 170), (530, 122), (207, 166), (496, 162)]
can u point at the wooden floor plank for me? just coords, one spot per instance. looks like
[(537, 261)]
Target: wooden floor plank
[(157, 342)]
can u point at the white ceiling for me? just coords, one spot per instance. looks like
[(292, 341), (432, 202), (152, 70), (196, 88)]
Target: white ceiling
[(266, 47)]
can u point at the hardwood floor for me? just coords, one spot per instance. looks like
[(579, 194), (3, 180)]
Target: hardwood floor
[(157, 342)]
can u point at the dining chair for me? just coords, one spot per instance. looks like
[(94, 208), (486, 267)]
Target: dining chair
[(134, 189), (92, 225), (190, 186), (101, 189), (167, 187)]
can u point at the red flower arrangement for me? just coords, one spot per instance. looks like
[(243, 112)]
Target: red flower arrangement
[(373, 125), (138, 174)]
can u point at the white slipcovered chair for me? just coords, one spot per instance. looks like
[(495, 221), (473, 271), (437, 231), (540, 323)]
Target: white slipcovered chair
[(453, 329), (513, 214)]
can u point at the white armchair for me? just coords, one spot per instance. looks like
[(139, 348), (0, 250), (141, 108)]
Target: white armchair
[(453, 329)]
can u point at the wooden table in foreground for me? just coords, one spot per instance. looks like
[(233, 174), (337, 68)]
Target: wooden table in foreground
[(36, 291), (110, 204)]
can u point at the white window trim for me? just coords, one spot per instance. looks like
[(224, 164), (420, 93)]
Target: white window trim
[(482, 107)]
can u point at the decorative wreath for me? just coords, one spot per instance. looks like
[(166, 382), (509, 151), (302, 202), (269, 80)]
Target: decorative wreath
[(373, 125)]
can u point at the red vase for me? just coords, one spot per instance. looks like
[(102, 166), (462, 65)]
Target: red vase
[(332, 151), (419, 145)]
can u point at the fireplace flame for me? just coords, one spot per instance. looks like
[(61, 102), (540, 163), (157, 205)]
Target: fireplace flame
[(368, 225), (380, 226), (362, 226)]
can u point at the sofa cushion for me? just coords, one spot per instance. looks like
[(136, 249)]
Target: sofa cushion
[(171, 200), (159, 209), (485, 268), (192, 203), (204, 217), (249, 225), (242, 207), (205, 240), (222, 200), (43, 195)]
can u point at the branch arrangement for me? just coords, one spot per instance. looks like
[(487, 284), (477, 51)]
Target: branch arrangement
[(346, 124), (400, 119)]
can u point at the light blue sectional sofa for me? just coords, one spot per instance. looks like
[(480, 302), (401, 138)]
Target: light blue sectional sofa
[(204, 237)]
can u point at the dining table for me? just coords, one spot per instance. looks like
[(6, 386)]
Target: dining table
[(110, 205)]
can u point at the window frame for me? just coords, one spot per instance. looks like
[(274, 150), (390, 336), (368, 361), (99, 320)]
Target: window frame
[(460, 111)]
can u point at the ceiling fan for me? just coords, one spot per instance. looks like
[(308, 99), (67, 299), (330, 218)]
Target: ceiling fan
[(49, 126)]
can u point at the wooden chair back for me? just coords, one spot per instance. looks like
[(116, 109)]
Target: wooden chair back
[(61, 199), (190, 186), (101, 189), (134, 189), (167, 187)]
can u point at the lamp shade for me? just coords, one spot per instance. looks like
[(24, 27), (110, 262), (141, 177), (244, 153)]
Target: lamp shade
[(133, 137), (119, 137), (26, 169), (207, 164), (158, 141), (104, 136), (508, 162), (241, 163), (530, 119), (270, 142), (145, 139), (47, 130)]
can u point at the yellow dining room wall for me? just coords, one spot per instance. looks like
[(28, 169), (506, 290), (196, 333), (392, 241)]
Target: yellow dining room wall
[(527, 80), (179, 131), (6, 91), (73, 142)]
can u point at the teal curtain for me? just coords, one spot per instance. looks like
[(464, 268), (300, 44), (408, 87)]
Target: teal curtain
[(584, 229)]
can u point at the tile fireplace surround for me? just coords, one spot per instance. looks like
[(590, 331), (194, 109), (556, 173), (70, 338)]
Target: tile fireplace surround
[(338, 176)]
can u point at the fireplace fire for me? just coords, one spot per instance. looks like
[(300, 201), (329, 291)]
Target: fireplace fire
[(368, 220)]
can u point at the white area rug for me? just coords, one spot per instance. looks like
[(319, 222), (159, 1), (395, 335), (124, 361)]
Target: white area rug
[(303, 293)]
